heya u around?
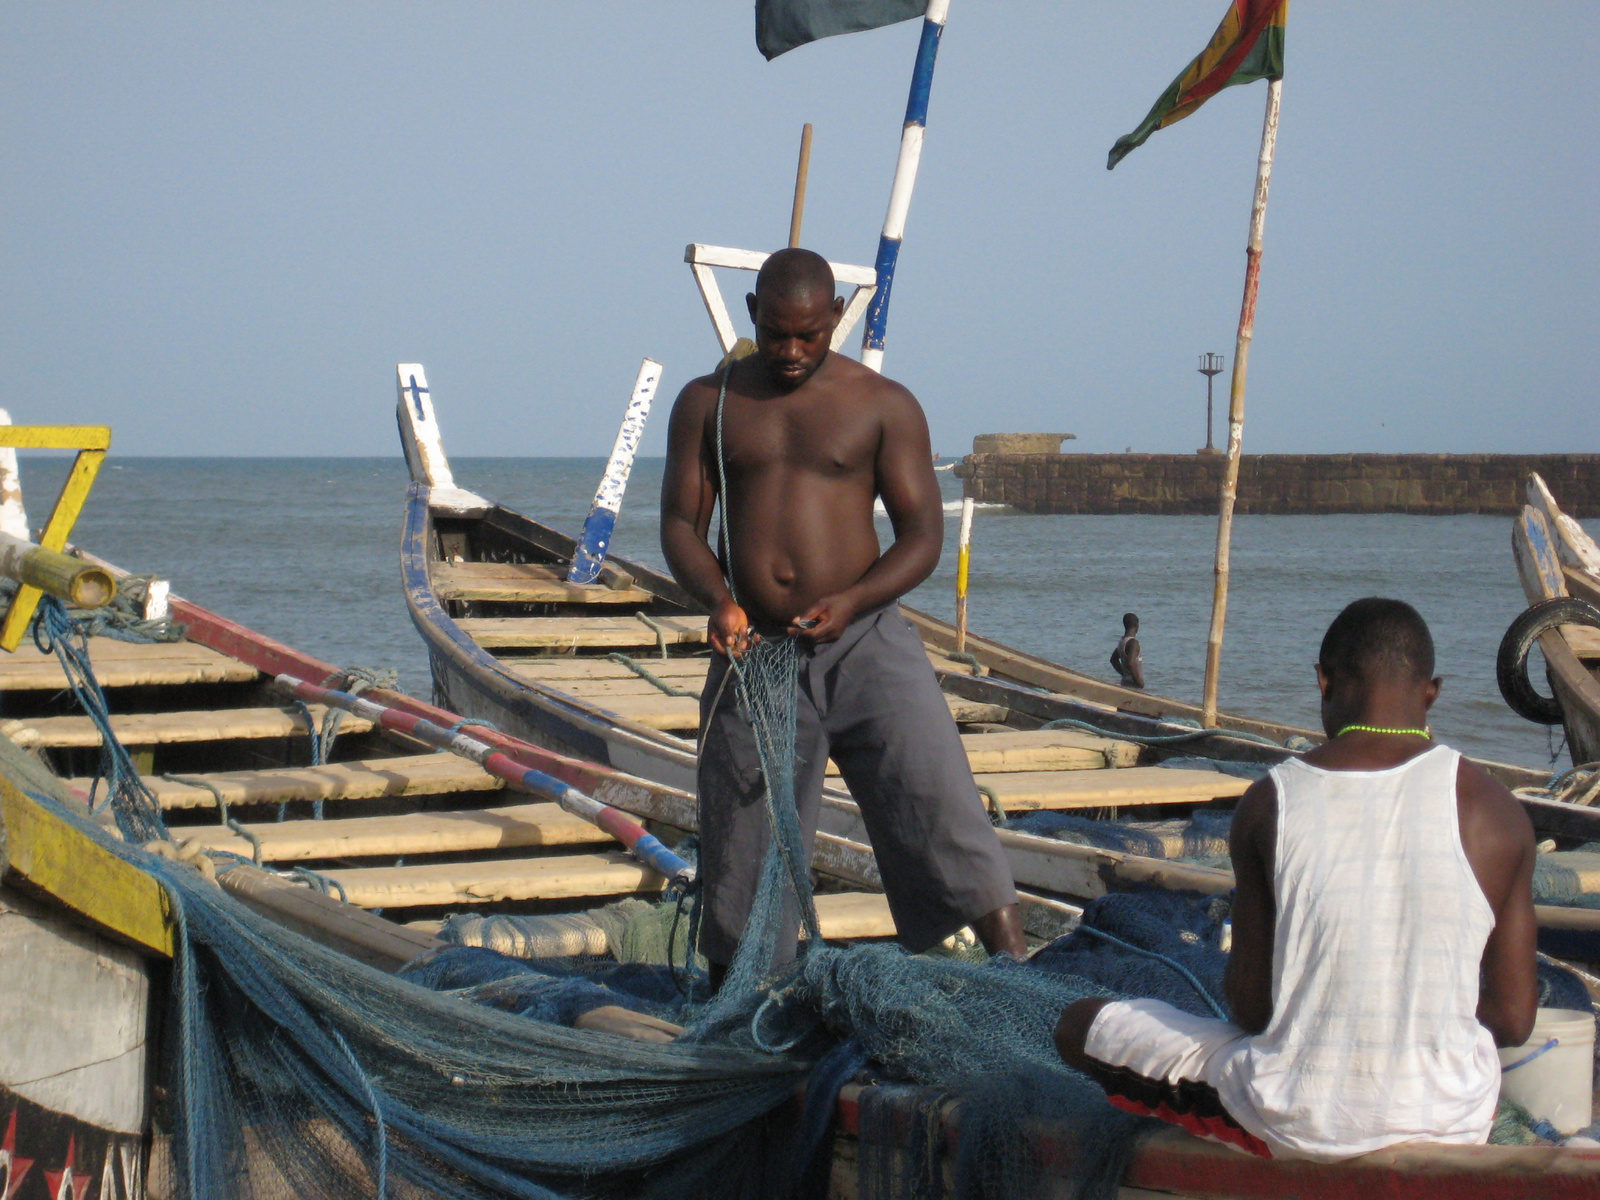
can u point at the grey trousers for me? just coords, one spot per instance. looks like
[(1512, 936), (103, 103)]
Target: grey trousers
[(872, 702)]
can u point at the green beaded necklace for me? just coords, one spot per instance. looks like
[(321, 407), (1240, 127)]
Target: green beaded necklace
[(1426, 731)]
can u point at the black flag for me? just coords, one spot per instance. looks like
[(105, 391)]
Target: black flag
[(781, 25)]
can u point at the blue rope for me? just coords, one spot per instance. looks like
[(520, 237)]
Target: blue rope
[(1161, 958), (322, 884), (200, 781), (137, 812), (381, 1137), (465, 721)]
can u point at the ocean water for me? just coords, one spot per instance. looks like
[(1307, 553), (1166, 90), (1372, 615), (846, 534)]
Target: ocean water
[(306, 550)]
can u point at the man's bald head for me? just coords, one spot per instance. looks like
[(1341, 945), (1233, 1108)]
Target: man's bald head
[(795, 274), (795, 312)]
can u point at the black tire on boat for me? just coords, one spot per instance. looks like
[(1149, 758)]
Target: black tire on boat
[(1511, 663)]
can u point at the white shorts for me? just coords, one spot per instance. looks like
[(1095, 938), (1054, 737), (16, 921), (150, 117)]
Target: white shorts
[(1159, 1061)]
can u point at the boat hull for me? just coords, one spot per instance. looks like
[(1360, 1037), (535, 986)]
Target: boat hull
[(74, 1008)]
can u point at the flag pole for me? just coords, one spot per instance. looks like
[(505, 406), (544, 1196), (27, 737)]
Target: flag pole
[(905, 179), (798, 212), (1241, 365)]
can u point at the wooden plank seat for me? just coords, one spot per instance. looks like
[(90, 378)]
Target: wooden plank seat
[(848, 915), (534, 824), (563, 634), (418, 775), (125, 664), (557, 671), (558, 877), (158, 729), (1041, 750), (1060, 790), (681, 714), (525, 582), (602, 691)]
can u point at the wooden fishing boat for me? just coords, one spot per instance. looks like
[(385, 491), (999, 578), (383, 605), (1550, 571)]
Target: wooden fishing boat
[(208, 729), (202, 715), (407, 831), (1558, 564), (612, 671)]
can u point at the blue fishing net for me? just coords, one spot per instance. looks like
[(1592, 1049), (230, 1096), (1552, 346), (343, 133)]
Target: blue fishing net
[(1180, 935), (295, 1071), (1201, 838), (557, 990)]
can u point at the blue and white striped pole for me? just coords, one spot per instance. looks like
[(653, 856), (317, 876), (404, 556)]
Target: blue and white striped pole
[(590, 554), (905, 179)]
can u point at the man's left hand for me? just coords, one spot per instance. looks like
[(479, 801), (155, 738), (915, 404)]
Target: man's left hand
[(826, 620)]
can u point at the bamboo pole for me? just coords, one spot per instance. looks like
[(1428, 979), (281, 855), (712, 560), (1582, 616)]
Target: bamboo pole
[(963, 559), (800, 174), (61, 575), (1241, 365)]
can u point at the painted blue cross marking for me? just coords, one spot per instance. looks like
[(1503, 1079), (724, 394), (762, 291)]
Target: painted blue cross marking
[(417, 393)]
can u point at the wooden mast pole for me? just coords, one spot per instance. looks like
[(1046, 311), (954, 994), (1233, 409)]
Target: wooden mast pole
[(1241, 364), (800, 174)]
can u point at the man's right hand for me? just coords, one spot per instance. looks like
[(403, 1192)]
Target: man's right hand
[(729, 630)]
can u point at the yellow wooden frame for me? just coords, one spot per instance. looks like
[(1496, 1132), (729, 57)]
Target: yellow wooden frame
[(91, 442), (52, 857)]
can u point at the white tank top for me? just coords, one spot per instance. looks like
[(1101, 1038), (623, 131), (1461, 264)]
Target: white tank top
[(1374, 1038)]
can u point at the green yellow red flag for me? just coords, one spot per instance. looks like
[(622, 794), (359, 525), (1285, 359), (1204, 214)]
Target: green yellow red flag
[(1247, 46)]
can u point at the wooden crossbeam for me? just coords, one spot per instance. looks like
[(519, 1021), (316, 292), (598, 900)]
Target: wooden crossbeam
[(124, 664), (525, 582), (558, 671), (159, 729), (538, 824), (418, 775), (676, 714), (1041, 750), (1059, 790), (574, 633), (559, 877), (845, 916)]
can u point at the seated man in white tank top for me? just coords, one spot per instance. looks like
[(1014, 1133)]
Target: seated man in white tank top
[(1375, 877)]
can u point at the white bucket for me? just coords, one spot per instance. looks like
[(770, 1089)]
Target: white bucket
[(1552, 1074)]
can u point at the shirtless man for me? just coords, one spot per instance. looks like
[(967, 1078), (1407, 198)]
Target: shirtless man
[(1127, 660), (1377, 878), (810, 439)]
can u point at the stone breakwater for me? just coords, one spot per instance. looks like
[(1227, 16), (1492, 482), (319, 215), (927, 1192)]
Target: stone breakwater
[(1175, 484)]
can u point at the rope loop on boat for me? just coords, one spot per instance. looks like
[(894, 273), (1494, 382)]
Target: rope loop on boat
[(649, 676), (660, 632)]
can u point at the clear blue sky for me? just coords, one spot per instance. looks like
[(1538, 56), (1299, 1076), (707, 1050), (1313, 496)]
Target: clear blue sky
[(221, 225)]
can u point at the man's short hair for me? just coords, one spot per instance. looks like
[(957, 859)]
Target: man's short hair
[(795, 272), (1377, 638), (1130, 620)]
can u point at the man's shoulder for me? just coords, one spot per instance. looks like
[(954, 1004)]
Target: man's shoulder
[(866, 382), (1259, 802), (699, 393), (1255, 819), (1487, 803)]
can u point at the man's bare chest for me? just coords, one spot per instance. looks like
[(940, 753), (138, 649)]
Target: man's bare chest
[(827, 437)]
